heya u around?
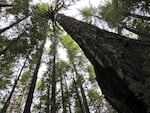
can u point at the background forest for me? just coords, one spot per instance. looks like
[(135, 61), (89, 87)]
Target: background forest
[(34, 77)]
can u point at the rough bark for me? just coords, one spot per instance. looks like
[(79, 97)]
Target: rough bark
[(33, 82), (119, 64), (6, 105)]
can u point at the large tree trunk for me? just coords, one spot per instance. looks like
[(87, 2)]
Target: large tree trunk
[(33, 82), (120, 64), (6, 105)]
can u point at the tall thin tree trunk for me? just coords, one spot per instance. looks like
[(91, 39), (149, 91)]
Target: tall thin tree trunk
[(84, 99), (140, 17), (33, 82), (78, 97), (68, 94), (53, 96), (85, 103), (17, 22), (48, 97), (116, 60), (145, 36), (62, 92), (22, 99), (6, 105), (48, 102)]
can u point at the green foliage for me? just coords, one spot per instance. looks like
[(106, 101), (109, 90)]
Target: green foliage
[(62, 68), (3, 42), (94, 95), (120, 14), (29, 35), (77, 107), (39, 10), (40, 84), (19, 6), (112, 15), (88, 13), (91, 74), (4, 82), (42, 8), (25, 76), (6, 71), (72, 48)]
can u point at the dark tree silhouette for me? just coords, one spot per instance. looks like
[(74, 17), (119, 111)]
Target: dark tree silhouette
[(12, 25), (5, 5), (140, 17)]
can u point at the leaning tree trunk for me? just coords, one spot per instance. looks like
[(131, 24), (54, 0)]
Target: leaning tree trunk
[(121, 65), (145, 36), (12, 25), (82, 110), (140, 17), (5, 5), (6, 105), (22, 98), (33, 82), (84, 99)]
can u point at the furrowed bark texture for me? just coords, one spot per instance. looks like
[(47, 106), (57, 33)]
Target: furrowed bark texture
[(121, 65)]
